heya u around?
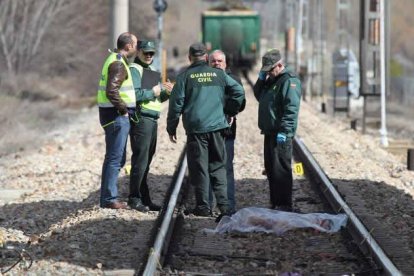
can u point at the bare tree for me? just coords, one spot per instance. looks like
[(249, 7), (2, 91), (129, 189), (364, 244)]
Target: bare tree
[(23, 24)]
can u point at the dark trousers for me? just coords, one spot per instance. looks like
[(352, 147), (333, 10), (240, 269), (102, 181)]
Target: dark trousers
[(143, 144), (230, 173), (206, 155), (229, 142), (277, 160)]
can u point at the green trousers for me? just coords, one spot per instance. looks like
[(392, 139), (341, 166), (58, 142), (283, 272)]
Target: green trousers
[(206, 155), (143, 144), (277, 160)]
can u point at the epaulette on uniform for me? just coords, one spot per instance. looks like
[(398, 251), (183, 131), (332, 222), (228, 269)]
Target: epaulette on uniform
[(292, 74)]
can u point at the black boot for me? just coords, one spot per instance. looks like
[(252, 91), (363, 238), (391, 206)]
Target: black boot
[(202, 212), (136, 204), (228, 213), (153, 207)]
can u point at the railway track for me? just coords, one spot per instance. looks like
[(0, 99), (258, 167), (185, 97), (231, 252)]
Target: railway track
[(184, 245), (183, 248)]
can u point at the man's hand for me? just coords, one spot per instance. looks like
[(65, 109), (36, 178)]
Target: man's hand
[(157, 90), (168, 86), (126, 114), (262, 75), (280, 138), (173, 138), (230, 120)]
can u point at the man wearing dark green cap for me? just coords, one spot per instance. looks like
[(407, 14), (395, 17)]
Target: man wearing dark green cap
[(278, 91), (144, 126), (200, 96)]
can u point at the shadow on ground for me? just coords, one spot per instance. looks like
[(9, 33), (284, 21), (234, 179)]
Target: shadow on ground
[(110, 239)]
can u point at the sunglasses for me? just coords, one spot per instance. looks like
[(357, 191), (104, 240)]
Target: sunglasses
[(149, 54)]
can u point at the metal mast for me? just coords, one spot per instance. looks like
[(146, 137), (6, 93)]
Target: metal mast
[(383, 130), (373, 59), (119, 20), (159, 6)]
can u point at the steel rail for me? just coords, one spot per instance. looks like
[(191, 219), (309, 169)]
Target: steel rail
[(160, 240), (380, 256)]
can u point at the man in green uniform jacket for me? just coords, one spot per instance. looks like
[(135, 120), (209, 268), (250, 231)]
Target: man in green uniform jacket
[(144, 126), (278, 91), (199, 95)]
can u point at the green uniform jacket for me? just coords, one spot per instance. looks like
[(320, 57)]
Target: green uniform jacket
[(143, 96), (279, 101), (199, 94)]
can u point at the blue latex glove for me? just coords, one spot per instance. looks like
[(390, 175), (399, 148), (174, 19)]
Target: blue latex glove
[(262, 75), (280, 138)]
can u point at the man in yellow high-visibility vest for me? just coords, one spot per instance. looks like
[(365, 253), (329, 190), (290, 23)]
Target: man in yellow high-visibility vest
[(116, 101), (144, 130)]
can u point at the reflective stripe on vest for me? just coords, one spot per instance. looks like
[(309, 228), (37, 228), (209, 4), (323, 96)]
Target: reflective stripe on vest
[(126, 91), (155, 104)]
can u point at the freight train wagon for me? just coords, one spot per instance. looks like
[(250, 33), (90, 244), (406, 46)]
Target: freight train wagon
[(236, 33)]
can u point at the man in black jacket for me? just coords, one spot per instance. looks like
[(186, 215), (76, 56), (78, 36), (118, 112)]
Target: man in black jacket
[(217, 59)]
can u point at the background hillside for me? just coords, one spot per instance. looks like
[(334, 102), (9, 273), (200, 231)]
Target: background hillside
[(52, 52)]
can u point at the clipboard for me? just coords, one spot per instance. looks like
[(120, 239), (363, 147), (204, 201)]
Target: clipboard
[(150, 78)]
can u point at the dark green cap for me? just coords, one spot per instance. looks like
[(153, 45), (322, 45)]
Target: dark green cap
[(146, 46), (197, 49), (270, 59)]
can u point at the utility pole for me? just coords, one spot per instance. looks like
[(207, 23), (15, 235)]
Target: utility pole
[(159, 6), (298, 48), (119, 20), (373, 59), (321, 48), (383, 130), (290, 36), (317, 50)]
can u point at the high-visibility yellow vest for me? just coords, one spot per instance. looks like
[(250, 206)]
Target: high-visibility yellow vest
[(149, 105), (126, 91)]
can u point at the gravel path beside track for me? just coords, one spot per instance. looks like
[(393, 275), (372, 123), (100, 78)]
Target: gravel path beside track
[(58, 220)]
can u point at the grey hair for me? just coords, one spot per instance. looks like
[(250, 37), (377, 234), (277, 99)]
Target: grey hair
[(217, 52)]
